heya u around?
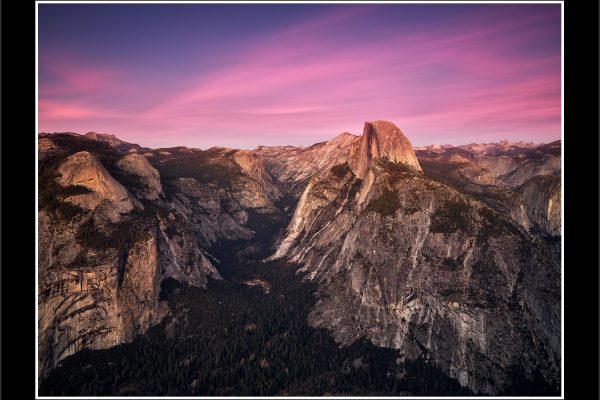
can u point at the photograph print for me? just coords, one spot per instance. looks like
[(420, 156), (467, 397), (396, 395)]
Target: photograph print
[(294, 199)]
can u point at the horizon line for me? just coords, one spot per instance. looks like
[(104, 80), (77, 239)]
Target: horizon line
[(291, 145)]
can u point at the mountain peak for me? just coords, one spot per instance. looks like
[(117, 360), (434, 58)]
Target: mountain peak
[(99, 136), (342, 139), (381, 139), (91, 135), (114, 141)]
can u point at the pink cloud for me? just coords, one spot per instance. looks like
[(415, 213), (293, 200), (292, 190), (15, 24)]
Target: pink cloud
[(61, 110), (302, 82)]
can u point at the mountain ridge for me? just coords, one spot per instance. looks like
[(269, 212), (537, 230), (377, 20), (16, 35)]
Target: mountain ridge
[(378, 227), (434, 146)]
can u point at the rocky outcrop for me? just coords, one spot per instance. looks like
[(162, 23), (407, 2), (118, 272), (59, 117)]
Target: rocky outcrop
[(498, 165), (92, 296), (453, 263), (224, 194), (411, 263), (441, 275), (138, 166), (541, 199), (381, 139), (253, 166), (508, 184), (214, 213), (84, 169), (113, 141), (98, 301), (47, 148), (181, 255), (292, 167), (101, 266), (546, 165)]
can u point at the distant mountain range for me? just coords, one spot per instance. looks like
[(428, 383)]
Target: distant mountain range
[(502, 148)]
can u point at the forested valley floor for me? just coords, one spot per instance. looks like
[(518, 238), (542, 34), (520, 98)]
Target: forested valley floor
[(247, 335)]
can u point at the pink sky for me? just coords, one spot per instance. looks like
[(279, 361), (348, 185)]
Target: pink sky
[(451, 75)]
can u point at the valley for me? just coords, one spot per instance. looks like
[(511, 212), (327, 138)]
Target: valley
[(235, 339), (357, 266)]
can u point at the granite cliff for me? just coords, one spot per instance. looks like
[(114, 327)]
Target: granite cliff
[(111, 229), (410, 262), (448, 254)]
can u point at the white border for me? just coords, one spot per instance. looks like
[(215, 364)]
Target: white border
[(301, 2), (37, 227), (562, 197)]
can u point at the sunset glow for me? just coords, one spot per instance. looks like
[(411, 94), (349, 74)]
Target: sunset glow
[(267, 74)]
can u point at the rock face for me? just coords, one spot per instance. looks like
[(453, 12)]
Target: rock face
[(223, 193), (118, 144), (253, 166), (215, 214), (47, 148), (449, 254), (529, 168), (94, 306), (85, 170), (505, 182), (411, 263), (94, 297), (381, 139), (112, 227), (541, 199), (138, 166), (292, 167), (498, 165), (101, 265)]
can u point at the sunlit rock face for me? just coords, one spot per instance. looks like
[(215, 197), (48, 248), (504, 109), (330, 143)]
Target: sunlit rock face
[(541, 199), (100, 303), (253, 166), (84, 169), (115, 142), (520, 180), (116, 227), (411, 263), (100, 269), (381, 139), (447, 253), (292, 167), (109, 236), (138, 166)]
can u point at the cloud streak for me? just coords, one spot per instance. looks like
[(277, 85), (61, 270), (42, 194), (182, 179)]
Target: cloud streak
[(484, 73)]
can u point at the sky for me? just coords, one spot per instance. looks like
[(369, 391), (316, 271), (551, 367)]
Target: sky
[(243, 75)]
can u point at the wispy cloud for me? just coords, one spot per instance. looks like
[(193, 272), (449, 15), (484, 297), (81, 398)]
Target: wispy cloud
[(470, 75)]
